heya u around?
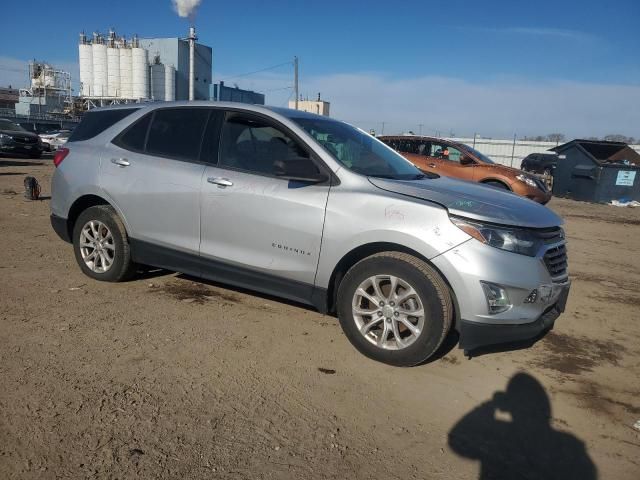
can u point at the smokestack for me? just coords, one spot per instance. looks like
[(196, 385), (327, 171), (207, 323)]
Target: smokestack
[(192, 67)]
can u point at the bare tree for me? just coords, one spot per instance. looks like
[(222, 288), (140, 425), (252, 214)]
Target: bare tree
[(556, 137), (616, 137)]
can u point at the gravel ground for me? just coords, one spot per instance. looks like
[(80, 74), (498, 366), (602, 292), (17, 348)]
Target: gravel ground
[(168, 377)]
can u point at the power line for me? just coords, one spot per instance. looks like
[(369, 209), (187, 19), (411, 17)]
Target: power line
[(256, 71)]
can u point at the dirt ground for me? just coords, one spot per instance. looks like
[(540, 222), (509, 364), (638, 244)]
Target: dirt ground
[(167, 377)]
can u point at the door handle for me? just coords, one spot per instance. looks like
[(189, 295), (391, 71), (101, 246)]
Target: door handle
[(121, 162), (221, 182), (433, 165)]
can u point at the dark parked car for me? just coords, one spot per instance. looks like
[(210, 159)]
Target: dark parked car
[(543, 163), (15, 139)]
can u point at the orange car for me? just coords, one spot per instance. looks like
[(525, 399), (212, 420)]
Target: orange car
[(452, 159)]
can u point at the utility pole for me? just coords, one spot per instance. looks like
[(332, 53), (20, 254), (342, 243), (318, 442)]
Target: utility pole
[(383, 128), (295, 80)]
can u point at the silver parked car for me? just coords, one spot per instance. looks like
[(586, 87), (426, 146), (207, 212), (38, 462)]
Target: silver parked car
[(312, 210)]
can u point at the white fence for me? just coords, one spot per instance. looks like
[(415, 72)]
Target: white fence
[(510, 152)]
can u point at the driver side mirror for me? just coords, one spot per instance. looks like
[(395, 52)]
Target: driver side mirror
[(299, 169), (466, 160)]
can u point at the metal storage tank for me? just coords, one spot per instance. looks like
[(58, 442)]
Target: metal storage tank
[(126, 90), (99, 68), (140, 73), (169, 83), (157, 81), (86, 68), (113, 72)]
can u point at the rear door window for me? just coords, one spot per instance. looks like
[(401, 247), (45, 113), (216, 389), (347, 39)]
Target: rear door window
[(134, 137), (95, 122), (177, 132)]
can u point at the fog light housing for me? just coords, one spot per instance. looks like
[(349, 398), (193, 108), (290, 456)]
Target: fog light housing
[(497, 298), (533, 296)]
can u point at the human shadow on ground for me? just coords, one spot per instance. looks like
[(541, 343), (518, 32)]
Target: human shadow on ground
[(524, 446)]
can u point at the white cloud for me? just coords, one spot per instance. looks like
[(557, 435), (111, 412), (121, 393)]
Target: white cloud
[(499, 109)]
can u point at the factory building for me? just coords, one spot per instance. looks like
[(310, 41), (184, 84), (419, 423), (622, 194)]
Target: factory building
[(115, 70), (223, 93), (319, 107), (175, 51)]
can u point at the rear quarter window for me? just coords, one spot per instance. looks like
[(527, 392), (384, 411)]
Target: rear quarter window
[(95, 122)]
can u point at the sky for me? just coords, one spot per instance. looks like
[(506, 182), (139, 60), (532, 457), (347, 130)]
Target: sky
[(492, 68)]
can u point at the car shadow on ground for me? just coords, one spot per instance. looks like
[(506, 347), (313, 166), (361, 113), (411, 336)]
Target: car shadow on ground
[(246, 291), (512, 437)]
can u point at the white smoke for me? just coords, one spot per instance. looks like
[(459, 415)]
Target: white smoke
[(186, 8)]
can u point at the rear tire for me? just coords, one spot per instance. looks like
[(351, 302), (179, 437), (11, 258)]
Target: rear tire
[(390, 333), (101, 245)]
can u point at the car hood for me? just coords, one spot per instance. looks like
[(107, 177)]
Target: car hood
[(499, 169), (474, 201)]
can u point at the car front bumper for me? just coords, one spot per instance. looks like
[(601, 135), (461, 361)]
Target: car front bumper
[(466, 266), (20, 148), (474, 335)]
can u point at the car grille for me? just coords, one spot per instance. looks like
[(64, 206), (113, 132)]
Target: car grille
[(555, 257), (24, 140)]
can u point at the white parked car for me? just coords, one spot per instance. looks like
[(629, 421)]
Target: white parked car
[(54, 140)]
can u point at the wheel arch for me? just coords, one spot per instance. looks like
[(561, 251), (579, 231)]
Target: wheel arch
[(79, 206), (497, 180), (363, 251)]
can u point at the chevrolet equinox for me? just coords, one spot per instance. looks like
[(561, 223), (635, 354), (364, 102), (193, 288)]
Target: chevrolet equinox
[(313, 210)]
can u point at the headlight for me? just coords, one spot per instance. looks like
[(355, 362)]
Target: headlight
[(528, 180), (515, 240), (4, 137)]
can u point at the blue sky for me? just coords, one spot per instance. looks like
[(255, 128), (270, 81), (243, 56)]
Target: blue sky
[(450, 65)]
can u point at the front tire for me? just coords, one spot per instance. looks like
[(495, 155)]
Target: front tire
[(394, 308), (101, 245)]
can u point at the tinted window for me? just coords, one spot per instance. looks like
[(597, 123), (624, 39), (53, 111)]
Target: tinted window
[(249, 143), (358, 151), (479, 155), (9, 126), (445, 152), (96, 122), (177, 132), (133, 138)]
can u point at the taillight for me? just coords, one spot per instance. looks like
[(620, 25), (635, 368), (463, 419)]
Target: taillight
[(60, 155)]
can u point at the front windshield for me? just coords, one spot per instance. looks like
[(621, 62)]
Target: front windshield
[(479, 155), (358, 151), (8, 126)]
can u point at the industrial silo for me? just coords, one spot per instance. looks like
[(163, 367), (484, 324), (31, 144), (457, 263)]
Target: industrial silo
[(157, 81), (113, 67), (169, 83), (140, 72), (126, 89), (86, 66), (99, 51)]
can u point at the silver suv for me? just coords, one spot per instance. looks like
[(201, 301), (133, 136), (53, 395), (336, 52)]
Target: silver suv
[(313, 210)]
